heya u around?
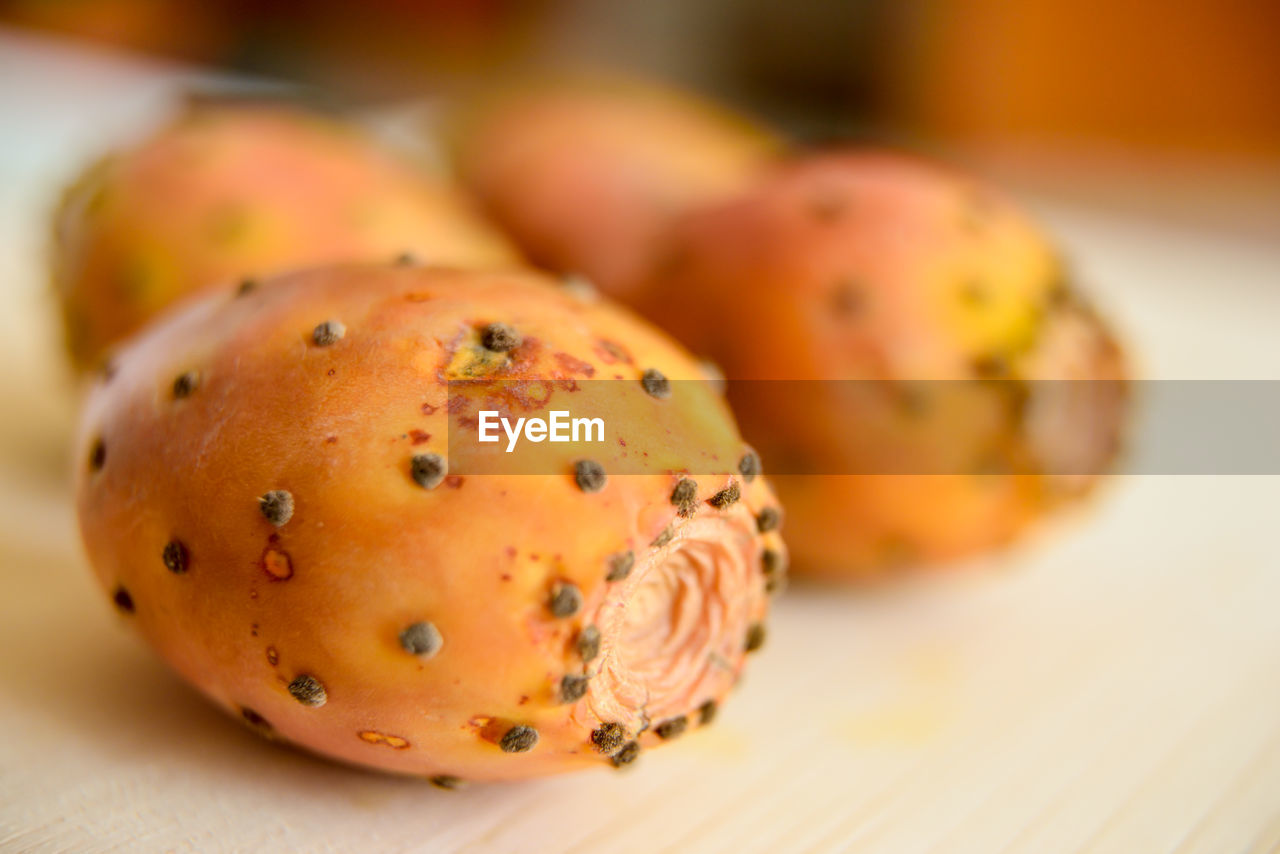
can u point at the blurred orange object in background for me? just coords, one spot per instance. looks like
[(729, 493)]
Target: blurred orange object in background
[(1186, 77)]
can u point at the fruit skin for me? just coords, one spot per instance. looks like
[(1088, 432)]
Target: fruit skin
[(864, 265), (239, 190), (309, 624), (584, 172)]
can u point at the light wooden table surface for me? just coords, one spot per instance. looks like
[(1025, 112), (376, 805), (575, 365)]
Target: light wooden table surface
[(1111, 687)]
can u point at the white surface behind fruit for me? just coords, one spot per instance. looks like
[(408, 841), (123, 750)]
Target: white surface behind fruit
[(1111, 688)]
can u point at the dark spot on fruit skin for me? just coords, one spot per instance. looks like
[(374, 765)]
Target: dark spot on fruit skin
[(974, 294), (589, 475), (846, 298), (519, 739), (990, 367), (254, 719), (175, 557), (123, 600), (726, 497), (668, 533), (331, 440), (827, 207), (671, 728), (428, 470), (405, 259), (246, 286), (422, 639), (612, 352), (626, 755), (277, 506), (428, 409), (588, 643), (308, 691), (620, 565), (328, 333), (772, 562), (573, 688), (768, 520), (574, 365), (107, 370), (185, 384), (707, 712), (97, 455), (446, 781), (499, 338), (755, 637), (453, 481), (656, 384), (608, 738), (685, 497), (749, 466), (566, 600), (419, 437)]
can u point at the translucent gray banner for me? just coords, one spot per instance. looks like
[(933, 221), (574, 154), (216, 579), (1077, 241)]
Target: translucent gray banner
[(868, 427)]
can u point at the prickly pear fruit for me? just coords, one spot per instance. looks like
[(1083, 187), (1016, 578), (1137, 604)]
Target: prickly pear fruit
[(849, 266), (233, 190), (584, 173), (265, 492)]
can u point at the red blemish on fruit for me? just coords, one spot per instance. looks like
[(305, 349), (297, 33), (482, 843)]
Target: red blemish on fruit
[(574, 365), (419, 436), (392, 741), (331, 440), (253, 630), (612, 352), (273, 657), (524, 698), (506, 576), (457, 403), (453, 481), (428, 409), (332, 372), (277, 564), (511, 551)]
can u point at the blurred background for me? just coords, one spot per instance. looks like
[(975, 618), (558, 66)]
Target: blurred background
[(1117, 691), (1169, 107)]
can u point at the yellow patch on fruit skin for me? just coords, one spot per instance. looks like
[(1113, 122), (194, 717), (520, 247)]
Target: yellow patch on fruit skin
[(393, 741)]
